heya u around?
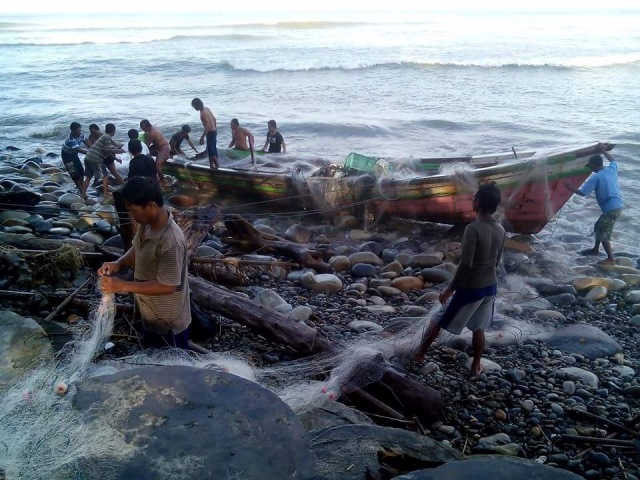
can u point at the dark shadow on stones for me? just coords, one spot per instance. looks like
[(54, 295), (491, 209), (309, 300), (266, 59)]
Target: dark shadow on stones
[(189, 423)]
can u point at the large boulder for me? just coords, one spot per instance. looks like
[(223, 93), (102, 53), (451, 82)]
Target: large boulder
[(348, 452), (23, 344), (184, 423), (491, 467), (585, 340)]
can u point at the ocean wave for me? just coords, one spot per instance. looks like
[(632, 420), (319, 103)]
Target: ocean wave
[(335, 129), (316, 63), (113, 40), (573, 62), (109, 35), (47, 131), (300, 25)]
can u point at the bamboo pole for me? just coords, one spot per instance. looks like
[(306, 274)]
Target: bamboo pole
[(68, 299)]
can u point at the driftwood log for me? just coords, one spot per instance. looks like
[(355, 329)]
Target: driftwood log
[(397, 392), (273, 325), (244, 236)]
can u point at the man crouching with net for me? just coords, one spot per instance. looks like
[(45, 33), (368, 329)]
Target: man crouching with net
[(159, 260), (475, 282)]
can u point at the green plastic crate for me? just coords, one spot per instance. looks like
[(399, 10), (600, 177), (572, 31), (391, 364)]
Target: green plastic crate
[(359, 162)]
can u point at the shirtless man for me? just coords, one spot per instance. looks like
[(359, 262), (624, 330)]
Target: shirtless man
[(159, 142), (210, 131), (94, 134), (239, 137)]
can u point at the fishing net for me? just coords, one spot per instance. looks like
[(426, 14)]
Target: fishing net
[(41, 435), (463, 176)]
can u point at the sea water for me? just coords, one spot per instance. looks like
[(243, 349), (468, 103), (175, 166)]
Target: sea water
[(394, 84)]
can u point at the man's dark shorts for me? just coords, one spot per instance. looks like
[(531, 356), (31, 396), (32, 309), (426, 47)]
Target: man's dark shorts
[(155, 340), (73, 165), (604, 225), (212, 138)]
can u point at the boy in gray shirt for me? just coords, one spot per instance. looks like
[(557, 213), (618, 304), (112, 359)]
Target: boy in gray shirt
[(474, 285)]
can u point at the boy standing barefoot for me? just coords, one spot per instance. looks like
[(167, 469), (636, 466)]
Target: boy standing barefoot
[(474, 285)]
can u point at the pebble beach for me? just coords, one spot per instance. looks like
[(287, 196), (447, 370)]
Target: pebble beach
[(564, 339), (559, 394)]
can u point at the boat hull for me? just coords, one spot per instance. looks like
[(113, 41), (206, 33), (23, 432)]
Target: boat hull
[(532, 189)]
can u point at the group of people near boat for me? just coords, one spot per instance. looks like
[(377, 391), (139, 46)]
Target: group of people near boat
[(100, 149), (159, 258)]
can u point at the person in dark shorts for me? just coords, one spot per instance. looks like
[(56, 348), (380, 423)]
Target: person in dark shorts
[(275, 140), (141, 165), (210, 131), (160, 262), (604, 181), (74, 144), (474, 284), (177, 138)]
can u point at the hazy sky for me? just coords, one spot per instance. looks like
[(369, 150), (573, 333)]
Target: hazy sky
[(62, 6)]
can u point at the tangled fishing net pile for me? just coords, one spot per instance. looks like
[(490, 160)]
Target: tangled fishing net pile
[(41, 435)]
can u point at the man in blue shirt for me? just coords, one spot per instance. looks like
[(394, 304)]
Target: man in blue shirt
[(604, 182)]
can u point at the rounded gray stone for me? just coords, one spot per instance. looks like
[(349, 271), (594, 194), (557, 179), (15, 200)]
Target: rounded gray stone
[(584, 339), (436, 275), (491, 467), (363, 270), (23, 344), (186, 423)]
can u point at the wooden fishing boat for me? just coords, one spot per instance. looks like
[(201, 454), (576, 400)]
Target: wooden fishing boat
[(432, 189)]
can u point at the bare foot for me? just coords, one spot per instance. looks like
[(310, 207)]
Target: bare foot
[(418, 357), (589, 252)]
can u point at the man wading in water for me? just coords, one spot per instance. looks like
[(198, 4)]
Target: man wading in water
[(475, 283), (604, 181), (159, 260)]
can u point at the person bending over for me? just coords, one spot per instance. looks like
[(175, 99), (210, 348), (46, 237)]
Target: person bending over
[(475, 282), (159, 259), (156, 140), (604, 181), (177, 138), (100, 157)]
